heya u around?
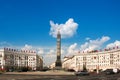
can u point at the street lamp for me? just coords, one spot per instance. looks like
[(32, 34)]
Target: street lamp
[(97, 64), (84, 62)]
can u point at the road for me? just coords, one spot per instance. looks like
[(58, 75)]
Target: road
[(54, 76)]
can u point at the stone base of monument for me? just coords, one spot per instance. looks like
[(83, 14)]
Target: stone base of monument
[(58, 68), (58, 65)]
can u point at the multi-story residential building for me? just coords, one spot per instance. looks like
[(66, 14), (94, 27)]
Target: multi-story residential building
[(94, 60), (52, 66), (69, 63), (39, 62), (12, 58)]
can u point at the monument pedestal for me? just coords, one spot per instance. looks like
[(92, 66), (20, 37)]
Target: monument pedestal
[(58, 65), (58, 68)]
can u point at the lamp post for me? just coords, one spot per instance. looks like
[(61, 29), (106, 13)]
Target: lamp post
[(84, 62), (97, 63)]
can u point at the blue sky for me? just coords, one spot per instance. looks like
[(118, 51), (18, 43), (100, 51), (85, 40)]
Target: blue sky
[(28, 21)]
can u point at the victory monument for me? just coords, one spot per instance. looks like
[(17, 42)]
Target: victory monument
[(58, 63)]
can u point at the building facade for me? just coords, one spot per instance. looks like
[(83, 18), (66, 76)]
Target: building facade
[(52, 66), (94, 60), (15, 59)]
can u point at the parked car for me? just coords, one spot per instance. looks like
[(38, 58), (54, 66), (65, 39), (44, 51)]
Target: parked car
[(81, 73), (71, 70), (109, 71)]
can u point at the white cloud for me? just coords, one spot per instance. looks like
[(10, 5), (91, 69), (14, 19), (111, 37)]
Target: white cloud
[(111, 45), (87, 38), (62, 51), (5, 44), (27, 47), (94, 44), (40, 51), (67, 30), (50, 57), (72, 49), (51, 52)]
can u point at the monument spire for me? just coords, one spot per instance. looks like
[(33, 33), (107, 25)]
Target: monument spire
[(58, 63)]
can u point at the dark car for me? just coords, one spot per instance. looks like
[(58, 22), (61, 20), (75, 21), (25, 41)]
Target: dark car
[(109, 71), (81, 73)]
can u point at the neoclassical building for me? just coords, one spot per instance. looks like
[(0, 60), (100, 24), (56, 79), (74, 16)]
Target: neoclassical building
[(96, 60), (12, 58)]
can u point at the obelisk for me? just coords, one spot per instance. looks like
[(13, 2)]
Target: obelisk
[(58, 64)]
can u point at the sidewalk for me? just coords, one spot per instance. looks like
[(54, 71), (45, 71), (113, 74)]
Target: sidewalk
[(41, 73)]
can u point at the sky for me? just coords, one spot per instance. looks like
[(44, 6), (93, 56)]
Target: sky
[(84, 25)]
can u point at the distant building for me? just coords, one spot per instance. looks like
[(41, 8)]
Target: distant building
[(52, 66), (14, 59), (39, 62), (69, 63), (96, 60)]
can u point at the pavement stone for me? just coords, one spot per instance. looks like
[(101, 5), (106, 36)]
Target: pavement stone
[(42, 73), (52, 75)]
